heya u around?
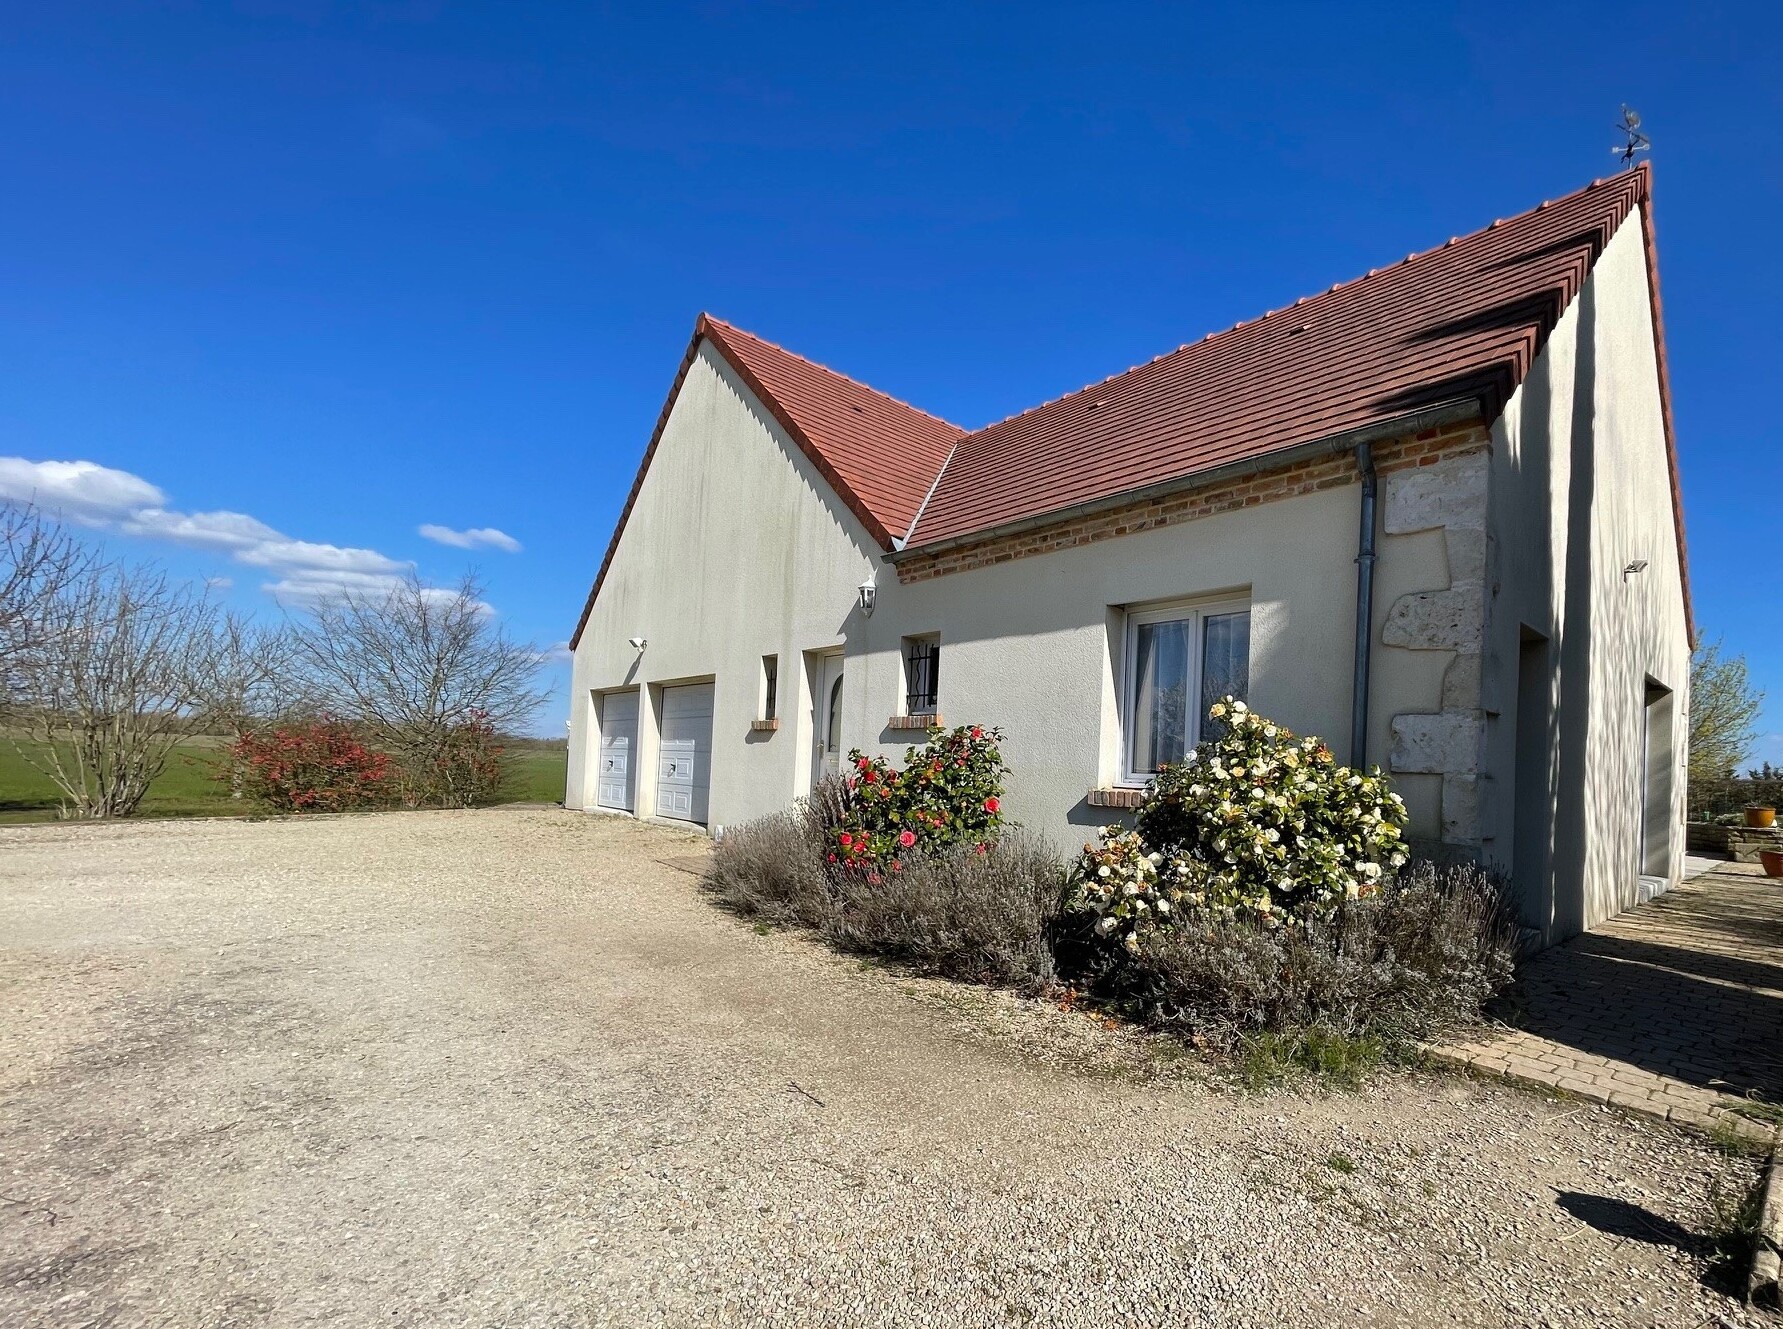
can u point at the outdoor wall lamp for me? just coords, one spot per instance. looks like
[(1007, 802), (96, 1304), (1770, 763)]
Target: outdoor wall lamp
[(638, 643), (867, 593), (1639, 565)]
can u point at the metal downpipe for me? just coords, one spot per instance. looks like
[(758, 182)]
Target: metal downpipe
[(1364, 609)]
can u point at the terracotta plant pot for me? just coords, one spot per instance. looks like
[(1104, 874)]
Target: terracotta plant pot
[(1772, 860), (1761, 818)]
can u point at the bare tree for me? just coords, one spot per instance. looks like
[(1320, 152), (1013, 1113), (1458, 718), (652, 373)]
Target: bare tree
[(1724, 709), (419, 667), (39, 560), (112, 677), (250, 679)]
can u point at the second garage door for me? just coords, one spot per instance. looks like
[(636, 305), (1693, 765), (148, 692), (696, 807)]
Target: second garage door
[(684, 767)]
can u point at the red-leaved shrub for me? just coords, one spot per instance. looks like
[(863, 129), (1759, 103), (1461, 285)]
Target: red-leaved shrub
[(319, 767)]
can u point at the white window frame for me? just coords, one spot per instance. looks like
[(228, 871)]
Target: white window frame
[(1175, 611)]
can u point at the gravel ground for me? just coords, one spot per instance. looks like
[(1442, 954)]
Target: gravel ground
[(508, 1068)]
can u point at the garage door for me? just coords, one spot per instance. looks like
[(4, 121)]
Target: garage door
[(617, 787), (684, 771)]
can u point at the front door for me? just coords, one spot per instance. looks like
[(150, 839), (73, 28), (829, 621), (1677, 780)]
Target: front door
[(829, 719)]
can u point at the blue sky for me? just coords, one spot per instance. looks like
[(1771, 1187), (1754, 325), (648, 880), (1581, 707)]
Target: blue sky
[(348, 270)]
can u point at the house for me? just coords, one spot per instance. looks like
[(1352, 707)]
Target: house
[(1431, 514)]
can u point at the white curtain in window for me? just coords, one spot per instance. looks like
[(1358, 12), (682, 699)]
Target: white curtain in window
[(1161, 720), (1225, 658), (1181, 667)]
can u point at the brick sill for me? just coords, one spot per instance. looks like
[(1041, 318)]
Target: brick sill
[(1115, 798), (925, 721), (764, 726)]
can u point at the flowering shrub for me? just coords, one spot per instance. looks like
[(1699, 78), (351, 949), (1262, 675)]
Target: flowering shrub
[(949, 792), (1254, 823), (320, 767)]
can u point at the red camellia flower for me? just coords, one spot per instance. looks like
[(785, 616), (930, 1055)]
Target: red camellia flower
[(991, 805), (977, 732), (861, 763), (867, 775), (847, 839), (907, 838)]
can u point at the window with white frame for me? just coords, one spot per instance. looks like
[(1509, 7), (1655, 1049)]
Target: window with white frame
[(1180, 660)]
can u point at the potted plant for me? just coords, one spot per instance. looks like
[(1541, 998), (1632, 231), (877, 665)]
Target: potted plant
[(1772, 860), (1760, 817)]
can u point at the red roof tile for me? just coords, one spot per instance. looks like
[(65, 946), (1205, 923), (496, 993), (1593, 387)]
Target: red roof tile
[(1461, 321), (880, 454)]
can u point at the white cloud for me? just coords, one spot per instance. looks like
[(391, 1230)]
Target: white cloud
[(307, 586), (82, 491), (206, 530), (99, 496), (282, 553), (475, 538)]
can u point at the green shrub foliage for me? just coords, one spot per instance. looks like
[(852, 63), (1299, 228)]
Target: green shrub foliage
[(1263, 894), (978, 910), (949, 792), (1255, 822)]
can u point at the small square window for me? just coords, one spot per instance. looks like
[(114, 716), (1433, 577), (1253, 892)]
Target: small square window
[(770, 685), (922, 675), (1179, 662)]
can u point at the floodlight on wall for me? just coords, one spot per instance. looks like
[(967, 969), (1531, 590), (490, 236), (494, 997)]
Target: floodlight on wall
[(638, 643), (1639, 565), (866, 593)]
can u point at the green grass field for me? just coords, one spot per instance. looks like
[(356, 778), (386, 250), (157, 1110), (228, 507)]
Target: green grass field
[(188, 788)]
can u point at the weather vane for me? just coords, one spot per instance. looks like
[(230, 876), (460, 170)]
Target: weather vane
[(1637, 141)]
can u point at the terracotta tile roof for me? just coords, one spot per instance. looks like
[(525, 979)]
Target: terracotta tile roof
[(1463, 321), (880, 454)]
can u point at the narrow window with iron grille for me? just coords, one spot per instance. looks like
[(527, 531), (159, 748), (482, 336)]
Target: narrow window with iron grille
[(770, 674), (922, 675)]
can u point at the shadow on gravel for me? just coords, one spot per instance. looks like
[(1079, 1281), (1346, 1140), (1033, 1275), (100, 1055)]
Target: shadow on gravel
[(1619, 1218)]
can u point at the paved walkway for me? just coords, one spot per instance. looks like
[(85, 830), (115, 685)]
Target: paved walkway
[(1674, 1009)]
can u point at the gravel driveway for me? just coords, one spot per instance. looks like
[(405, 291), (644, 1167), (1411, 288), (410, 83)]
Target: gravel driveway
[(508, 1068)]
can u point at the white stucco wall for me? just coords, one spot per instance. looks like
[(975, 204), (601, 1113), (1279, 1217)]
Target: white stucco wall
[(1580, 490), (1033, 645), (736, 548)]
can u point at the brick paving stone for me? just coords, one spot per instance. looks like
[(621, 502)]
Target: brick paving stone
[(1673, 1009)]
